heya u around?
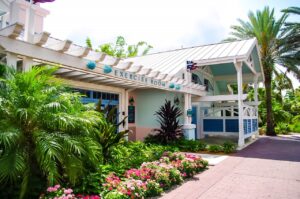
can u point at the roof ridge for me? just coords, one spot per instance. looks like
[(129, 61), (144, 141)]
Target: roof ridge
[(178, 49)]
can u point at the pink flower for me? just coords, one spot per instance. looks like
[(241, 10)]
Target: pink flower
[(51, 189), (68, 191), (57, 186)]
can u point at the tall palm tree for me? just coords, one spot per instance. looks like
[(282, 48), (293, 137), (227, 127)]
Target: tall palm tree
[(290, 44), (268, 31), (44, 131)]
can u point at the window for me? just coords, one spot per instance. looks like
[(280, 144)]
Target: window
[(131, 114), (196, 79), (208, 85)]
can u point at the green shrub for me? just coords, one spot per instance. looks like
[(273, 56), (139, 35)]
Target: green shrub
[(189, 145), (153, 189), (282, 128), (229, 147), (215, 148)]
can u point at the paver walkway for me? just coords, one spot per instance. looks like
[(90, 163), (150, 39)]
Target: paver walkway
[(269, 168)]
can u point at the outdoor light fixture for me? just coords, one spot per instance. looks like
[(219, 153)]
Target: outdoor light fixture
[(131, 100), (177, 87), (176, 101), (189, 112), (91, 65), (107, 69)]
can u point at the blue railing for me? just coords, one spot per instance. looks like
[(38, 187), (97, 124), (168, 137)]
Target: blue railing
[(229, 125)]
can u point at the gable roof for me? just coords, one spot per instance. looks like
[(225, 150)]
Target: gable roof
[(171, 62)]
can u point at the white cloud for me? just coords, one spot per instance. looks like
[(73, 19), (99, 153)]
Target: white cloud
[(165, 24)]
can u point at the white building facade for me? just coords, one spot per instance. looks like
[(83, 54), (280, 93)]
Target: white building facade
[(139, 86)]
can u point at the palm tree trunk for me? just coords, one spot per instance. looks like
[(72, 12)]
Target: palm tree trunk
[(270, 120)]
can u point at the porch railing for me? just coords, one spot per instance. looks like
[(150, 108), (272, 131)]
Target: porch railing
[(226, 120)]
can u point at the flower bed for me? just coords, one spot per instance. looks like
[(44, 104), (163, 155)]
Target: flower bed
[(149, 180)]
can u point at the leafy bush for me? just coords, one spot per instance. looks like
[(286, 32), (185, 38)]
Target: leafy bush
[(282, 128), (215, 148), (229, 147), (152, 177), (189, 145), (123, 157), (169, 130), (44, 132), (108, 137)]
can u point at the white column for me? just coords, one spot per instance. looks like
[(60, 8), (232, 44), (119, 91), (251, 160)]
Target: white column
[(238, 67), (123, 109), (11, 60), (186, 107), (29, 24), (126, 109), (27, 64), (256, 98), (188, 127)]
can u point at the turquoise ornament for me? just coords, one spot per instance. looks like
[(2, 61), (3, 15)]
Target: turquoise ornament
[(107, 69), (91, 65), (171, 85)]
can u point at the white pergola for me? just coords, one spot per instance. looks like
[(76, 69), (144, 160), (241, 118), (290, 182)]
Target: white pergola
[(72, 60)]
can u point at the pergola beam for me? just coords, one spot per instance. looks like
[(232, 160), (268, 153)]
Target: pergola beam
[(61, 46), (12, 31), (41, 38)]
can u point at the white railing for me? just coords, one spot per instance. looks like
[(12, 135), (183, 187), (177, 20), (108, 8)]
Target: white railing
[(225, 120)]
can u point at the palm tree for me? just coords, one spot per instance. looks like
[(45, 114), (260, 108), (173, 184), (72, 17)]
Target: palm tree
[(44, 131), (290, 44), (268, 32), (120, 49)]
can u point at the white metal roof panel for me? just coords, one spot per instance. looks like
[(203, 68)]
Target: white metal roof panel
[(171, 62)]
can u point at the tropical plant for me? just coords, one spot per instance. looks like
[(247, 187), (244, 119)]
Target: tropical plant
[(108, 137), (168, 118), (290, 43), (269, 33), (121, 49), (44, 131)]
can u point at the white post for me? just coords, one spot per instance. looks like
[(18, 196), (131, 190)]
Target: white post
[(256, 98), (27, 64), (11, 60), (188, 127), (123, 109), (186, 107), (238, 66), (126, 109), (29, 23)]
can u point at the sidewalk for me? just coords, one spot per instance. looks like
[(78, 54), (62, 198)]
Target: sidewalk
[(269, 168)]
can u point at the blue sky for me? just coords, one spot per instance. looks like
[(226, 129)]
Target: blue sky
[(165, 24)]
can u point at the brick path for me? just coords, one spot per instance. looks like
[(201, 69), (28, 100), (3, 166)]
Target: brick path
[(269, 168)]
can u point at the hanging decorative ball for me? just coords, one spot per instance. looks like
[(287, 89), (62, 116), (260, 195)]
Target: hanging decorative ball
[(171, 85), (177, 87), (107, 69), (91, 65)]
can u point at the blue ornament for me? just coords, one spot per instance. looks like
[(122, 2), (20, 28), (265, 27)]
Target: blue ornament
[(172, 85), (107, 69), (91, 65), (177, 87)]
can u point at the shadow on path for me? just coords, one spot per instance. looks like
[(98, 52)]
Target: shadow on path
[(274, 148)]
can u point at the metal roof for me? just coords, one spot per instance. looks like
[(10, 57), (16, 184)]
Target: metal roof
[(171, 62)]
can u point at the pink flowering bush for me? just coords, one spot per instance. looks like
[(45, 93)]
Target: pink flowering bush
[(153, 177), (58, 192), (149, 180)]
